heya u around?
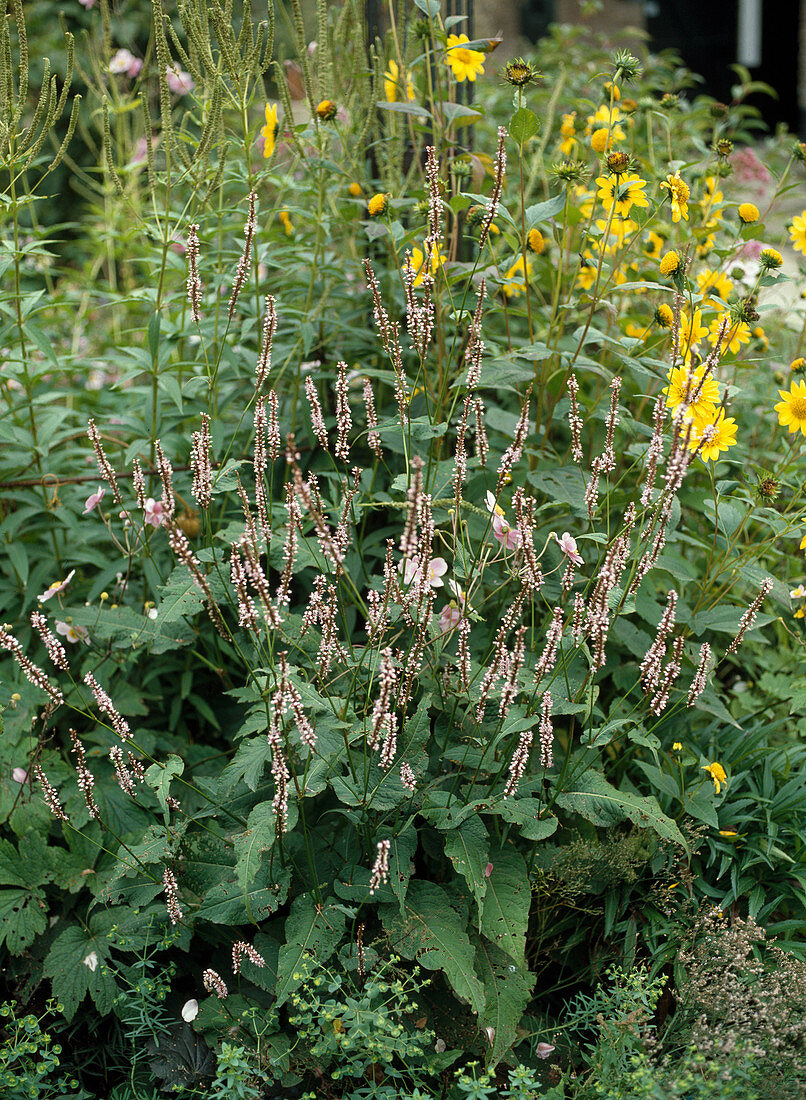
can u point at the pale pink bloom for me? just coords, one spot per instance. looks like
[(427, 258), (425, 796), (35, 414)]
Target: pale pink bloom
[(506, 534), (488, 870), (71, 633), (57, 587), (91, 961), (19, 775), (178, 80), (568, 545), (490, 1033), (123, 61), (178, 245), (437, 568), (544, 1050), (449, 617), (87, 3), (190, 1010), (93, 499), (155, 513)]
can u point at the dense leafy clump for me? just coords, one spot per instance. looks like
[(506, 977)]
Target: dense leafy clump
[(401, 498)]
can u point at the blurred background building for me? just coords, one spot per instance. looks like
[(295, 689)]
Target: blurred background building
[(768, 37)]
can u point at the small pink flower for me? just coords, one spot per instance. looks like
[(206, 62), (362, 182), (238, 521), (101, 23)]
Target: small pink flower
[(57, 587), (87, 3), (93, 499), (179, 81), (71, 633), (544, 1050), (437, 568), (449, 617), (488, 870), (155, 513), (506, 534), (124, 61), (568, 545), (19, 775)]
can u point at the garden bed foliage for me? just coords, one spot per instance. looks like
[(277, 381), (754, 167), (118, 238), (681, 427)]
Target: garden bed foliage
[(402, 533)]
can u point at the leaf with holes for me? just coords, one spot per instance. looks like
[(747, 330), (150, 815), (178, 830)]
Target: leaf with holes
[(468, 849), (507, 990), (431, 931), (506, 904), (310, 929)]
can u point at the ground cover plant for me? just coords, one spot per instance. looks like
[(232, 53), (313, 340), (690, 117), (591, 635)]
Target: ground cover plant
[(402, 537)]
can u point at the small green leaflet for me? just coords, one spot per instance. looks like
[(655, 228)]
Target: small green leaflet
[(310, 929)]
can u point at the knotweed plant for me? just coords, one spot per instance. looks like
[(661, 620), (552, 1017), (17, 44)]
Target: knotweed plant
[(418, 544)]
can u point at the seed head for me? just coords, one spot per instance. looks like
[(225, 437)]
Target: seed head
[(618, 163), (569, 171), (768, 487), (669, 102), (626, 67), (520, 73)]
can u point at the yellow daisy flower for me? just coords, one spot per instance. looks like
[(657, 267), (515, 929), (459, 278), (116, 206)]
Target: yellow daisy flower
[(269, 131), (653, 245), (738, 333), (607, 120), (797, 232), (515, 284), (679, 195), (669, 263), (715, 282), (664, 315), (792, 408), (623, 192), (465, 64), (748, 213), (724, 438), (394, 82), (717, 773), (687, 388), (691, 332), (536, 241), (568, 133)]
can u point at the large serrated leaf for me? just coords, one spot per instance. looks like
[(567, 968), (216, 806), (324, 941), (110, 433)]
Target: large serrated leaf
[(506, 904), (311, 929), (468, 849), (507, 989), (593, 798), (228, 902), (159, 778), (74, 971), (432, 932), (259, 837)]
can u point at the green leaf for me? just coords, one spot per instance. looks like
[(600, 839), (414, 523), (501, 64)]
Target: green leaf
[(258, 838), (507, 991), (468, 849), (401, 862), (506, 905), (23, 915), (430, 7), (228, 902), (602, 804), (160, 776), (404, 108), (523, 126), (542, 211), (154, 335), (247, 764), (310, 929), (432, 932), (68, 965)]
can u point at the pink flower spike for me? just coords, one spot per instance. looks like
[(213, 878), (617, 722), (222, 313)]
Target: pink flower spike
[(19, 775), (155, 513), (437, 568), (57, 587), (568, 545), (93, 499)]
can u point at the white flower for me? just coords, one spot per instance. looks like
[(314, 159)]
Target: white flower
[(544, 1050), (798, 593), (437, 568), (19, 775), (57, 587), (91, 961), (152, 613), (190, 1010), (71, 633)]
